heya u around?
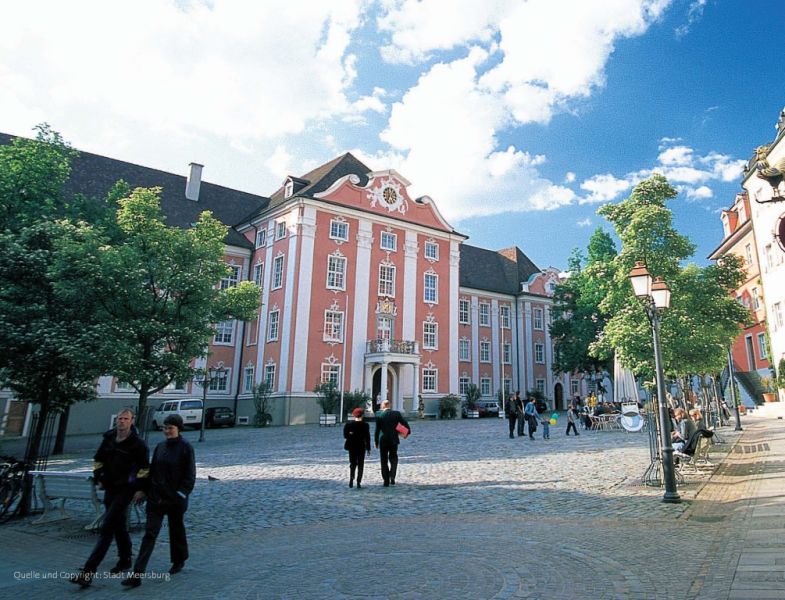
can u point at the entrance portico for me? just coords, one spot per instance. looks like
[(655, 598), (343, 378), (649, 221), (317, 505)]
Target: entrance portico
[(386, 362)]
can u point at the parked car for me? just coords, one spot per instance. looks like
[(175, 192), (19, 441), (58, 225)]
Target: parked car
[(218, 416), (485, 408), (190, 409)]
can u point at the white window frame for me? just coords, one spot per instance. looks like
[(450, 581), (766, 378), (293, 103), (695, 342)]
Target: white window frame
[(248, 379), (507, 353), (430, 380), (387, 284), (258, 273), (336, 272), (224, 333), (574, 386), (384, 332), (748, 254), (778, 318), (464, 350), (485, 386), (261, 237), (388, 236), (507, 386), (232, 279), (539, 353), (331, 372), (485, 351), (339, 230), (430, 335), (540, 385), (463, 384), (431, 251), (333, 326), (538, 319), (274, 325), (484, 314), (122, 386), (464, 311), (504, 316), (220, 383), (277, 281), (430, 288), (269, 375), (280, 230), (755, 299), (762, 346)]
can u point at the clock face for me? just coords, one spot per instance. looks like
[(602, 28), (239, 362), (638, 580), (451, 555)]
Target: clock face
[(390, 195)]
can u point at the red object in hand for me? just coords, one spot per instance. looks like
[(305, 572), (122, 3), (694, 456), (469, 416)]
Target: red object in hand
[(400, 428)]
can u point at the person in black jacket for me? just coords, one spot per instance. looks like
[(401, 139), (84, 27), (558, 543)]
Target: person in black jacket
[(385, 437), (120, 468), (172, 478), (358, 442)]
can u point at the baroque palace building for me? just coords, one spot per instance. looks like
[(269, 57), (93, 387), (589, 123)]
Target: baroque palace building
[(361, 284)]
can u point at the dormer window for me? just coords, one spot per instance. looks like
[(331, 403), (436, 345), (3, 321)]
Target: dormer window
[(288, 188)]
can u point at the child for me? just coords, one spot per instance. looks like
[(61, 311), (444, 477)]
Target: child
[(546, 427)]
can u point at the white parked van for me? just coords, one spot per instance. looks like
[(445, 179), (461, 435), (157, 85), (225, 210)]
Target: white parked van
[(190, 409)]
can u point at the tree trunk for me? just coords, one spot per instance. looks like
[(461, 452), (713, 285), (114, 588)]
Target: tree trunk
[(141, 408), (62, 426)]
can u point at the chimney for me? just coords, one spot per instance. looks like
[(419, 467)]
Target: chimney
[(193, 182)]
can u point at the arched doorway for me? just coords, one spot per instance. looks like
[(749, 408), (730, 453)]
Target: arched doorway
[(376, 388), (558, 397)]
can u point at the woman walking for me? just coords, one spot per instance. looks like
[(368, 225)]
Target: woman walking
[(358, 443)]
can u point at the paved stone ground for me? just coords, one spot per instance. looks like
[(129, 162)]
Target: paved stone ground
[(474, 515)]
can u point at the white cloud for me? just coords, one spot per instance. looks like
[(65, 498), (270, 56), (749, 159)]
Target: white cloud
[(280, 163), (569, 177), (584, 223), (677, 155), (700, 193), (604, 188)]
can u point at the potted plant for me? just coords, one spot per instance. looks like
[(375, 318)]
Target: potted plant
[(473, 394), (448, 406), (261, 400), (769, 395), (328, 399)]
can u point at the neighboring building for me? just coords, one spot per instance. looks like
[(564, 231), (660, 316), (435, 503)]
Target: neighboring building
[(362, 285), (750, 355), (763, 181)]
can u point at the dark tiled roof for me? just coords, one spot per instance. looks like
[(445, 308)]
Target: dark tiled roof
[(492, 271), (94, 176), (324, 176)]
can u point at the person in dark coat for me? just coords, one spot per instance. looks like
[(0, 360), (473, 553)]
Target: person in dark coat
[(358, 441), (172, 478), (385, 438), (511, 410), (120, 468)]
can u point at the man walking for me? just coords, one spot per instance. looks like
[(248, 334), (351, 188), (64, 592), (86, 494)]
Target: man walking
[(385, 438), (120, 469)]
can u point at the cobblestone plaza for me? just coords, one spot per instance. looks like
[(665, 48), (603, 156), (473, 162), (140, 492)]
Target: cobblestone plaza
[(474, 515)]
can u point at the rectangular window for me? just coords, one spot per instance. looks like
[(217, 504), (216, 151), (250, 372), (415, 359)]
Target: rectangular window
[(538, 318), (430, 288), (485, 314), (755, 299), (248, 379), (277, 272), (333, 326), (485, 352), (507, 386), (280, 230), (574, 386), (272, 326), (429, 380), (429, 336), (258, 273), (389, 241), (336, 272), (339, 230), (122, 386), (463, 311), (540, 385), (778, 320), (269, 376), (463, 385), (539, 353), (261, 237), (387, 280), (748, 254), (384, 327), (507, 353), (224, 332), (220, 383), (331, 373), (232, 278), (485, 386), (504, 317), (762, 346), (464, 350), (431, 251)]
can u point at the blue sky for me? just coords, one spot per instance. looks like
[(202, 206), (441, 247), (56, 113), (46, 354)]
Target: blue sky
[(519, 118)]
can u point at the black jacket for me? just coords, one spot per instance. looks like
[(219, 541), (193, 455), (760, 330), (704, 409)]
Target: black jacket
[(385, 433), (358, 436), (121, 466), (172, 471)]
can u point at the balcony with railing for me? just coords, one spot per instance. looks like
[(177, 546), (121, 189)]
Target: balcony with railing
[(405, 350)]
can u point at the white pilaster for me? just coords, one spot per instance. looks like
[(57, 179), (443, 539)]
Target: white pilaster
[(308, 232), (528, 325), (362, 291), (549, 382), (286, 325), (261, 344), (455, 259), (475, 317), (495, 354)]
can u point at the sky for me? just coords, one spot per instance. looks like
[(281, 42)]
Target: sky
[(518, 118)]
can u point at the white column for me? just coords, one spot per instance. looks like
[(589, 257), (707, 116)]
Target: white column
[(409, 324), (475, 317), (362, 287), (286, 322), (455, 259), (261, 342), (416, 388), (549, 382), (305, 277), (495, 354), (383, 387), (529, 341)]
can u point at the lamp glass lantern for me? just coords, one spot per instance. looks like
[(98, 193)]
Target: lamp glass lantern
[(660, 294), (641, 280)]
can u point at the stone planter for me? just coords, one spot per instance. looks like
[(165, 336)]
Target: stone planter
[(769, 396), (327, 420), (472, 414)]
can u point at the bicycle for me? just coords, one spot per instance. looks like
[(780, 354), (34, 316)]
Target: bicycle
[(12, 479)]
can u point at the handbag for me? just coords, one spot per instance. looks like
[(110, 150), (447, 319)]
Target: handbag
[(401, 428)]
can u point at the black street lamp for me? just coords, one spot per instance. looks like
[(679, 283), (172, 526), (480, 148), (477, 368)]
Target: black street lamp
[(655, 297), (208, 376), (734, 399)]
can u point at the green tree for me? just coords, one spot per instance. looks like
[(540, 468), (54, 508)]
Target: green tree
[(261, 400), (473, 396), (157, 287), (329, 396)]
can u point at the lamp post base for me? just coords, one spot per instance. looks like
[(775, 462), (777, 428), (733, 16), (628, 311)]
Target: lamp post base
[(671, 498)]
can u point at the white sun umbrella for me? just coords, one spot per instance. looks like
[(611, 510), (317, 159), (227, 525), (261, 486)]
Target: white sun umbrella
[(625, 391)]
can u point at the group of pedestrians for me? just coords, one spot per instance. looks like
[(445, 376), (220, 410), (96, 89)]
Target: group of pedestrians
[(525, 415), (123, 470)]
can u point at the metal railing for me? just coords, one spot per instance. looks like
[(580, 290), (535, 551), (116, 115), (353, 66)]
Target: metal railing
[(392, 346)]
